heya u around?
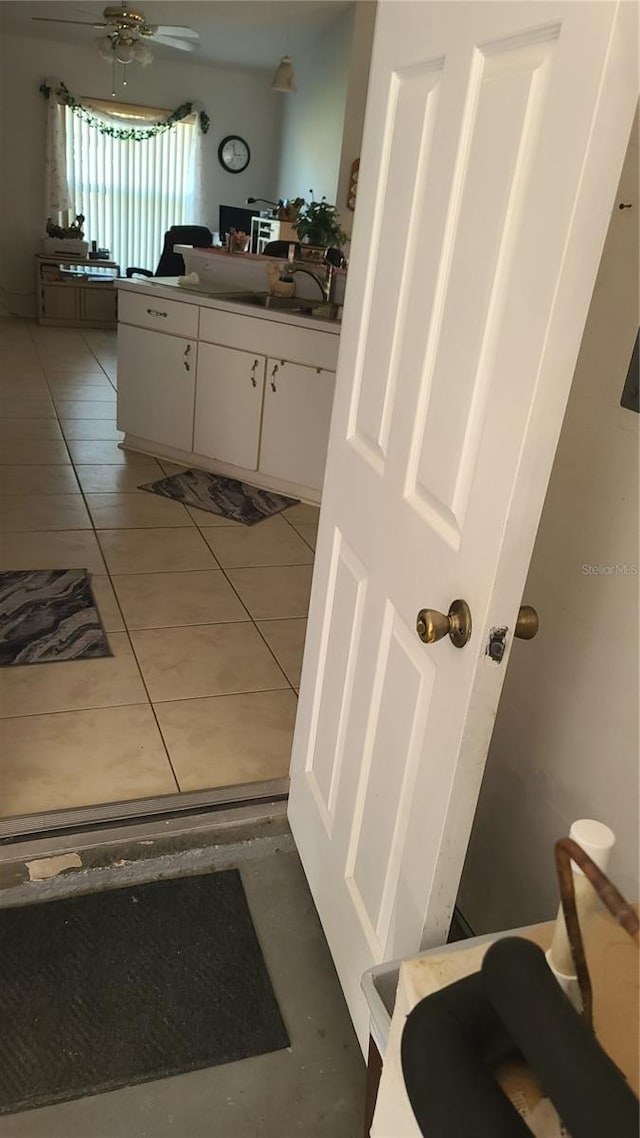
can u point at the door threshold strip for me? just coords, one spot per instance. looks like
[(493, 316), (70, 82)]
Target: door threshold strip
[(83, 818)]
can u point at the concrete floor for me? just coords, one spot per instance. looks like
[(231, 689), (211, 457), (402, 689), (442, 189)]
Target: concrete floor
[(315, 1088)]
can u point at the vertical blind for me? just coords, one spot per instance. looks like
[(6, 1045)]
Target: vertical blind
[(129, 192)]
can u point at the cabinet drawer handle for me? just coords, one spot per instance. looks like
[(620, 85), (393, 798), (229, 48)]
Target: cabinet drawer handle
[(253, 373), (276, 369), (187, 365), (155, 312)]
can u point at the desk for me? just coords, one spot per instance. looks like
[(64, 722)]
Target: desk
[(75, 291)]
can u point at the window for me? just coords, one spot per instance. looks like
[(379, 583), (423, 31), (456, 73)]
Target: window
[(129, 192)]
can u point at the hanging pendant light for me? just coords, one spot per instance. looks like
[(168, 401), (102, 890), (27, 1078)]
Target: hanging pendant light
[(284, 78)]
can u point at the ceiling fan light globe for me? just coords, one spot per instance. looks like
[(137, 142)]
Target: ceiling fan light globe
[(125, 52), (284, 78), (142, 53), (105, 48)]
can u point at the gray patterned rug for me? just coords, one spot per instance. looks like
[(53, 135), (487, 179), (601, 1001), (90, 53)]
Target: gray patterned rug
[(48, 615), (225, 496)]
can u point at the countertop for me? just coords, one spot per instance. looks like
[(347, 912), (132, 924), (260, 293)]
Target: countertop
[(169, 289)]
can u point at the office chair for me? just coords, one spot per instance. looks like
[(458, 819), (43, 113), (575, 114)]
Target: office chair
[(280, 249), (172, 264), (333, 256)]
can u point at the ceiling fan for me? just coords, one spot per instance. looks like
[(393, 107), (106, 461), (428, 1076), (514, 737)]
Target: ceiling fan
[(126, 28)]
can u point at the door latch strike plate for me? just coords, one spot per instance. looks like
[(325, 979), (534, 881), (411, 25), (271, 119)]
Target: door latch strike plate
[(496, 646)]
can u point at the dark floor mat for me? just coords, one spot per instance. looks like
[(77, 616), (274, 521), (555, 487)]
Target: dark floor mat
[(48, 615), (124, 986), (219, 495)]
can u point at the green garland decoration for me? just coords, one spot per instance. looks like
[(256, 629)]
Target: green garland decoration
[(126, 133)]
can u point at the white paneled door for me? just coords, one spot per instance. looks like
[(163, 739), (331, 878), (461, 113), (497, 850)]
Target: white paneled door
[(494, 139)]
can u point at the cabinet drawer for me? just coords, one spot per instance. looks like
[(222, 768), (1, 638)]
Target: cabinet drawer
[(269, 338), (160, 315)]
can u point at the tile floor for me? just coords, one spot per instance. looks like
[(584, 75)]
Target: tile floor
[(206, 617)]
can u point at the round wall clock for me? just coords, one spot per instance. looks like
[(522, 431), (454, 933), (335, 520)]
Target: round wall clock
[(234, 154)]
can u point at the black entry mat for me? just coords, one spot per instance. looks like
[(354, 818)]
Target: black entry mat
[(121, 987), (219, 495), (48, 615)]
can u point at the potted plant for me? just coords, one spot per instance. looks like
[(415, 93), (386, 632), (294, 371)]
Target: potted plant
[(318, 228)]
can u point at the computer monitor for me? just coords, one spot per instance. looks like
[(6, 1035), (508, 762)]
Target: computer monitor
[(233, 217)]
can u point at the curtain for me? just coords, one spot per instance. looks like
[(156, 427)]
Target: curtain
[(196, 208), (130, 191), (57, 195)]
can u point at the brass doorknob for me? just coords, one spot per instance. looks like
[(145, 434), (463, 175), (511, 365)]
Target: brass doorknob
[(432, 625), (527, 624)]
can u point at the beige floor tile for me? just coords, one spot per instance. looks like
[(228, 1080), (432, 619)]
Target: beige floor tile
[(230, 739), (210, 659), (79, 387), (74, 549), (105, 599), (14, 384), (171, 467), (302, 513), (164, 600), (92, 453), (26, 407), (136, 510), (33, 452), (155, 550), (20, 513), (38, 480), (207, 519), (272, 592), (18, 429), (308, 532), (112, 479), (69, 393), (286, 640), (69, 362), (86, 409), (271, 542), (70, 685), (75, 758), (101, 430)]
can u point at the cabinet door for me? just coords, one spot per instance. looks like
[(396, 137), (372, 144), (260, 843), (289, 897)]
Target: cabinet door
[(98, 304), (295, 425), (156, 385), (60, 302), (229, 389)]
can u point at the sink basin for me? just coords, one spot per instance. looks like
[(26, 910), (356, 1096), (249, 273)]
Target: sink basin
[(302, 305)]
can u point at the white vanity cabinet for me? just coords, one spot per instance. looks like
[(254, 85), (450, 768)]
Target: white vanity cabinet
[(206, 382), (228, 409), (295, 425), (156, 386)]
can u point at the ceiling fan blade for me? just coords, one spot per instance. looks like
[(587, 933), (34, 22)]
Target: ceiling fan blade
[(178, 33), (169, 41), (78, 23)]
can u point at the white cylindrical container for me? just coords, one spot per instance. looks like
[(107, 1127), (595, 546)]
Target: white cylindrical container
[(597, 840)]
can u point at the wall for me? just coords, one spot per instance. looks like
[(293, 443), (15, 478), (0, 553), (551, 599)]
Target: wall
[(565, 744), (313, 117), (238, 102), (360, 59)]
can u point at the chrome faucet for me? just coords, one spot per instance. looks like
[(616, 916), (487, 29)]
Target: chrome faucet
[(326, 285)]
